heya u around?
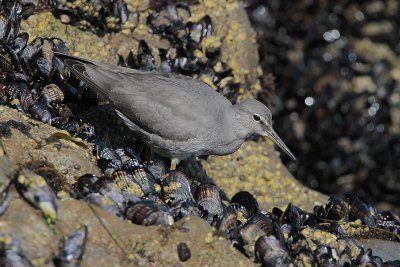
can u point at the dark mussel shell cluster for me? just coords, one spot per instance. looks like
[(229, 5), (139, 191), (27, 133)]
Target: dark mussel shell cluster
[(32, 78), (279, 237), (152, 195), (339, 93), (194, 51), (149, 194), (99, 16)]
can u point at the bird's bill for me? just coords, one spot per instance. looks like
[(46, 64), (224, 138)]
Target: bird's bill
[(277, 140)]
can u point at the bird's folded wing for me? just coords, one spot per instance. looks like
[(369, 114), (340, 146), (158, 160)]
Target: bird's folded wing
[(163, 108)]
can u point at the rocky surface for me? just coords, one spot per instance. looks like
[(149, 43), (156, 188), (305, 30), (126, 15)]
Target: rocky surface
[(61, 158)]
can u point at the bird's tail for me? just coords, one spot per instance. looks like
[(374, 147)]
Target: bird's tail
[(88, 72)]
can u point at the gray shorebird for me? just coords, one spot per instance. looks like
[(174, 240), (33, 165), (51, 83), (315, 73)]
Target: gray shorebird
[(176, 115)]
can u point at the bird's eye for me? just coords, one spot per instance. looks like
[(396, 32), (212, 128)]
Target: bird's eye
[(256, 117)]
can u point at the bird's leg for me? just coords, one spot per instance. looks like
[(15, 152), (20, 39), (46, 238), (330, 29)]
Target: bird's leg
[(174, 163), (149, 154), (146, 152)]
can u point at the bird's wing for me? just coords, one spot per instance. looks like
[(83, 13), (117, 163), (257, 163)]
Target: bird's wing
[(163, 106)]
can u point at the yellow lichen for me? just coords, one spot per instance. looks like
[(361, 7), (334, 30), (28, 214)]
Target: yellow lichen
[(135, 189)]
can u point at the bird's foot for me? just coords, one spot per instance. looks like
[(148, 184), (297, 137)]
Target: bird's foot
[(174, 163)]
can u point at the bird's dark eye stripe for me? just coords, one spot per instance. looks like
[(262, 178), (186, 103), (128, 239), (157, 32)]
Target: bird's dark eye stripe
[(256, 117)]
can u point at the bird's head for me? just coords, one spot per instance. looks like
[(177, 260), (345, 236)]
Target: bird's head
[(255, 118)]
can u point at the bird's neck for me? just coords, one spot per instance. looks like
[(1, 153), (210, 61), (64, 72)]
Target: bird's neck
[(228, 135), (236, 123)]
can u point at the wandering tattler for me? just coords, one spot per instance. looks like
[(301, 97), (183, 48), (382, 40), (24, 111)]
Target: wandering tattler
[(176, 115)]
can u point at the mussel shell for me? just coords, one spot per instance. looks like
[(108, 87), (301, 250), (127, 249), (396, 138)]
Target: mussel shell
[(247, 200), (158, 168), (13, 57), (148, 213), (287, 230), (20, 42), (58, 45), (242, 212), (73, 248), (305, 257), (38, 193), (319, 211), (40, 111), (13, 91), (336, 229), (11, 253), (293, 215), (130, 159), (176, 188), (4, 22), (10, 17), (271, 252), (27, 54), (365, 259), (184, 253), (26, 99), (158, 201), (360, 210), (388, 220), (28, 8), (87, 132), (109, 161), (345, 260), (6, 65), (109, 154), (105, 203), (326, 256), (249, 234), (123, 179), (227, 224), (44, 66), (129, 183), (199, 30), (109, 189), (266, 223), (214, 55), (351, 246), (166, 62), (337, 209), (143, 60), (277, 212), (81, 129), (169, 26), (187, 208), (86, 184), (52, 94), (145, 180), (70, 93), (208, 196)]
